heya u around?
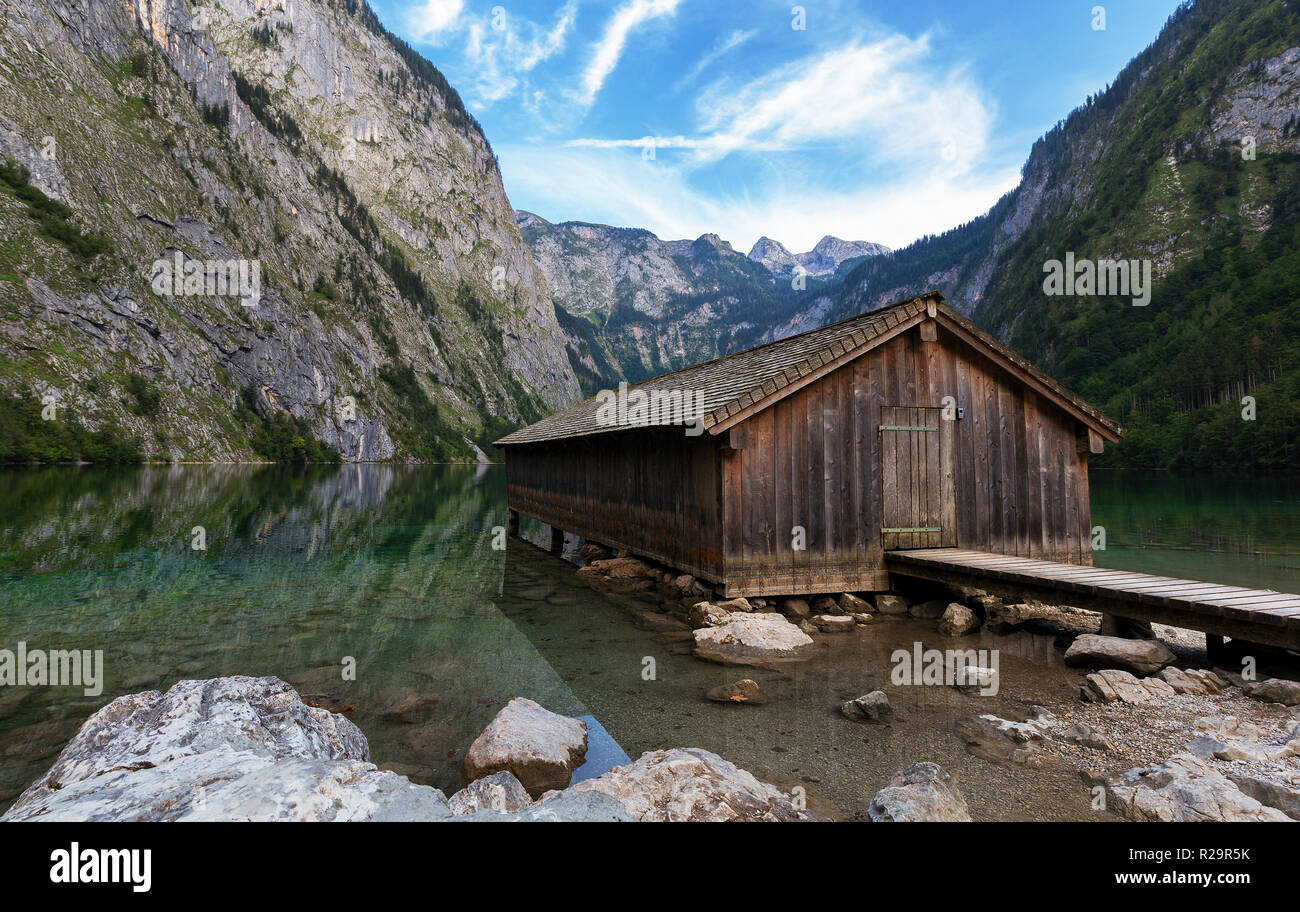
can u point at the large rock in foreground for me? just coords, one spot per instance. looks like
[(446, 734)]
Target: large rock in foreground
[(922, 792), (691, 784), (567, 806), (750, 637), (1183, 789), (1144, 657), (234, 748), (541, 748)]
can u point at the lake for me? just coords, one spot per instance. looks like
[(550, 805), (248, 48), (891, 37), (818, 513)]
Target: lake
[(308, 573)]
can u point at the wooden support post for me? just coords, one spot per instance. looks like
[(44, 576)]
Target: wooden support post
[(557, 540), (512, 522), (1109, 626), (1214, 648)]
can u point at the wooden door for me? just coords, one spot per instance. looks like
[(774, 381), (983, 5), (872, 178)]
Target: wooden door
[(916, 476)]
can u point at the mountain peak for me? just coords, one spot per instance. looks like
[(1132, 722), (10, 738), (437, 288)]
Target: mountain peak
[(825, 258), (714, 240)]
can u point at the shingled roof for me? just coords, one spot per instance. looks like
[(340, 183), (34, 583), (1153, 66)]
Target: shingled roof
[(758, 377)]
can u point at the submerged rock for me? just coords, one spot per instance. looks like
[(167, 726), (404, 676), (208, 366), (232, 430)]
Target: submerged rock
[(500, 792), (891, 604), (834, 623), (622, 575), (1003, 740), (852, 604), (748, 637), (409, 707), (691, 784), (794, 608), (958, 620), (929, 611), (743, 691), (825, 604), (872, 707), (541, 748), (922, 792), (591, 552), (1138, 656)]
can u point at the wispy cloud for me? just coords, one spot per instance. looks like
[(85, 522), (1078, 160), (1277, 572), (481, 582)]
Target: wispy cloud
[(728, 43), (870, 139), (881, 96), (884, 93), (607, 51), (500, 47)]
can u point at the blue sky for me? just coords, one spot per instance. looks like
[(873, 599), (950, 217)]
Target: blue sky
[(878, 121)]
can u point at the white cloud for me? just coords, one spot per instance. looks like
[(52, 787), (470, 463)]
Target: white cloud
[(607, 51), (610, 185), (870, 140), (544, 46), (500, 47), (433, 17), (883, 96)]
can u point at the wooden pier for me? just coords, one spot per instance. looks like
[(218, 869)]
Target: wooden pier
[(1252, 615)]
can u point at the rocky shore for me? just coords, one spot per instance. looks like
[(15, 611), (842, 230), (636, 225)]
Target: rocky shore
[(1152, 734), (242, 748)]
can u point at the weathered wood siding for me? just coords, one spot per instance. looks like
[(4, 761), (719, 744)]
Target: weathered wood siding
[(654, 491), (1010, 479)]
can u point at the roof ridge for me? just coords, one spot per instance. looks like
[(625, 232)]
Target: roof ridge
[(785, 340)]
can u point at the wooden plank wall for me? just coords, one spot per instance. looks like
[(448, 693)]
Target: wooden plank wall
[(654, 491), (813, 460)]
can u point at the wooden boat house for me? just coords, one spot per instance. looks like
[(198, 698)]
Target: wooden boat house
[(792, 468)]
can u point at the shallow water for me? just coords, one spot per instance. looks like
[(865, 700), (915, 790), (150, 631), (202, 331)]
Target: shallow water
[(394, 568)]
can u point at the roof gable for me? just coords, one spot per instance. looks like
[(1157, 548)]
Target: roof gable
[(729, 389)]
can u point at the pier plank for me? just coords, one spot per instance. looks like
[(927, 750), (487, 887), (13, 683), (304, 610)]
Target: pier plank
[(1255, 615)]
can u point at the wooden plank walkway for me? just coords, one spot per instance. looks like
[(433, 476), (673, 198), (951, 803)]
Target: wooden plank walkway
[(1253, 615)]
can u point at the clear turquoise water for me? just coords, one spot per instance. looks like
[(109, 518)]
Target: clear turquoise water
[(395, 568)]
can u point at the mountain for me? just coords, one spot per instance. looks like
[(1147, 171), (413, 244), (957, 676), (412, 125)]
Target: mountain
[(773, 256), (400, 314), (633, 306), (827, 257), (1189, 163)]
